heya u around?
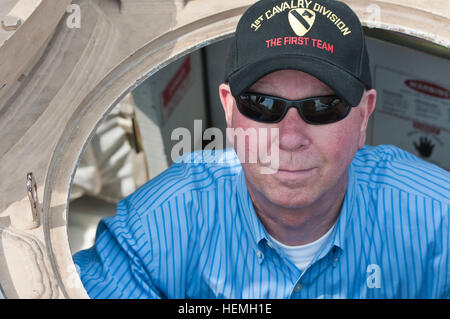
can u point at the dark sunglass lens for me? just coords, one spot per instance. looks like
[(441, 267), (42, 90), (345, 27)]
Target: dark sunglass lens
[(325, 110), (260, 108)]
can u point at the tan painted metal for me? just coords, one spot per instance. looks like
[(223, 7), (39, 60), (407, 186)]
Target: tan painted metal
[(58, 83)]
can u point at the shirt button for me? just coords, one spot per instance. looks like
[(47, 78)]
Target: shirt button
[(297, 287), (259, 254), (269, 244)]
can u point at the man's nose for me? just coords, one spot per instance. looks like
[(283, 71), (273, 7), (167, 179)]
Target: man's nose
[(293, 131)]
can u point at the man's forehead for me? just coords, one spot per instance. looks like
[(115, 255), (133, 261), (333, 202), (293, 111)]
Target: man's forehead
[(283, 78)]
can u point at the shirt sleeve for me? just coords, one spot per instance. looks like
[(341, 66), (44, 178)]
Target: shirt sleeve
[(115, 267)]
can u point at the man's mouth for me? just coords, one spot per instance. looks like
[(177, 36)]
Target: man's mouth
[(294, 173)]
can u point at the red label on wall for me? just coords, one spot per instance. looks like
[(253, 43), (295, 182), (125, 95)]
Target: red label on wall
[(427, 128), (428, 88), (176, 82)]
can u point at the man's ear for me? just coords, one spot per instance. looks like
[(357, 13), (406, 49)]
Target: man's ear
[(227, 102), (367, 106)]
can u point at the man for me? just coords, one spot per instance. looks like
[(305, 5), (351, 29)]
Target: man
[(334, 218)]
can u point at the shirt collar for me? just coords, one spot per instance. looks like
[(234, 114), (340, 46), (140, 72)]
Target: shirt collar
[(258, 232)]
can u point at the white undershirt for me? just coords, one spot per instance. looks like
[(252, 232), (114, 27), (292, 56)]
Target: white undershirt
[(302, 255)]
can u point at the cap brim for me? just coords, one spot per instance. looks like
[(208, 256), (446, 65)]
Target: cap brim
[(341, 82)]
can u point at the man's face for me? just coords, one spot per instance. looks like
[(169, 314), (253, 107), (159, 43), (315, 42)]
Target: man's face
[(313, 159)]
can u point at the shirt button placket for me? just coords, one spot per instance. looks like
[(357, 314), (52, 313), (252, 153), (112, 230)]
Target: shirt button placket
[(335, 261), (260, 256), (298, 287)]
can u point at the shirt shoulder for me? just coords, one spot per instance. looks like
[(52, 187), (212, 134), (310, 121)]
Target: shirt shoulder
[(195, 171), (389, 166)]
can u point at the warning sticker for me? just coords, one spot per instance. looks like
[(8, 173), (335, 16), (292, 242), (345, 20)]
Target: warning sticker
[(411, 98), (413, 114)]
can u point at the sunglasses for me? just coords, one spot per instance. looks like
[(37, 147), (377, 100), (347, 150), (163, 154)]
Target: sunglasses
[(313, 110)]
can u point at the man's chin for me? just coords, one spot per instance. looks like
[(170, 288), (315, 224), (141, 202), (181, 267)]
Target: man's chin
[(292, 200)]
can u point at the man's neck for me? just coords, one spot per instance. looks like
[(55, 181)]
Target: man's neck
[(300, 226)]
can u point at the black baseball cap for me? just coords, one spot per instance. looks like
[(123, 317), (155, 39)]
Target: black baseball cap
[(323, 38)]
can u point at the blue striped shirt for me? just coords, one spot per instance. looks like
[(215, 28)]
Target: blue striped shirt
[(192, 232)]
